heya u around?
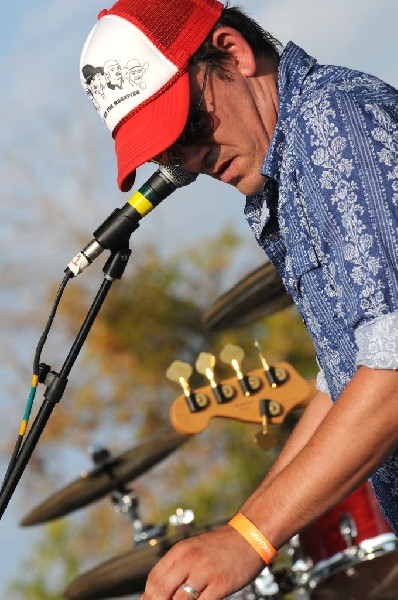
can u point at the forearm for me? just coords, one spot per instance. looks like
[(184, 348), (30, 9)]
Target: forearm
[(313, 415), (353, 438)]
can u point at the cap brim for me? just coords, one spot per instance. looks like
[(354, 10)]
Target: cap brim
[(151, 130)]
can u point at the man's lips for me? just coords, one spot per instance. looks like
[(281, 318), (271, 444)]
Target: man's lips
[(222, 169)]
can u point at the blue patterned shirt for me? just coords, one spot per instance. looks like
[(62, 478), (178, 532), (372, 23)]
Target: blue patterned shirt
[(327, 218)]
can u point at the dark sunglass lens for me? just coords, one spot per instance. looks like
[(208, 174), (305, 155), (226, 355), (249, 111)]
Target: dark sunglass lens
[(169, 158), (199, 127)]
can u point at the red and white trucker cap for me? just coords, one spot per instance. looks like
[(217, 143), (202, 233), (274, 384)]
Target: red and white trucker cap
[(134, 67)]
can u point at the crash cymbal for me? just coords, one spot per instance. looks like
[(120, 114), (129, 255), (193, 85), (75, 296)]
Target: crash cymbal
[(105, 478), (259, 294), (127, 573)]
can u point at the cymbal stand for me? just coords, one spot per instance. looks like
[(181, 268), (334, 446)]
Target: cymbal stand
[(125, 499), (300, 567), (57, 382)]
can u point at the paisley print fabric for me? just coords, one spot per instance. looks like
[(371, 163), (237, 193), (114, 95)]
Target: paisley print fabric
[(327, 218)]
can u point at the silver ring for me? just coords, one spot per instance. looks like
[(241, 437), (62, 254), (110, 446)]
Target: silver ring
[(190, 590)]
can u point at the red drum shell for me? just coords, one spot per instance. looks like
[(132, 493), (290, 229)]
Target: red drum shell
[(323, 538), (367, 569)]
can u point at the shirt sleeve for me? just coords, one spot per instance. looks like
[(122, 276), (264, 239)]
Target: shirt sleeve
[(321, 384), (377, 343)]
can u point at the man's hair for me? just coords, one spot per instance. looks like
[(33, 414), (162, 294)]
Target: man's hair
[(260, 41)]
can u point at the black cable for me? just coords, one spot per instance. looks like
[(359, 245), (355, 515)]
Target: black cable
[(35, 378), (42, 341)]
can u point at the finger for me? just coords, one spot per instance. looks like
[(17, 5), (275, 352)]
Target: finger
[(188, 591), (164, 579), (209, 593), (160, 588)]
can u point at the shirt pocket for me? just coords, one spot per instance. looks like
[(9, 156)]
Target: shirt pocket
[(303, 270)]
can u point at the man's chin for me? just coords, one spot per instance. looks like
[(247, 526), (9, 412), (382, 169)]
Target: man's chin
[(247, 186), (250, 185)]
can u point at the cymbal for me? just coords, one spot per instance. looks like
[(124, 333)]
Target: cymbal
[(126, 573), (259, 294), (105, 478)]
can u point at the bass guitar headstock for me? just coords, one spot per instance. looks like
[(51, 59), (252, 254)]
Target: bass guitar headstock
[(263, 396)]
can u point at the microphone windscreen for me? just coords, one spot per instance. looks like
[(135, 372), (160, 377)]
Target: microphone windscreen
[(178, 176)]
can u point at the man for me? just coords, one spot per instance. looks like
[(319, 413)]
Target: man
[(113, 74), (135, 73), (315, 150), (95, 82)]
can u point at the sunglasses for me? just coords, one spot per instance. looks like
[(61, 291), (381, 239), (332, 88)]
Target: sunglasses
[(198, 127)]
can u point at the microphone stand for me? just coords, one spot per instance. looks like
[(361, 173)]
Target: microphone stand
[(56, 382)]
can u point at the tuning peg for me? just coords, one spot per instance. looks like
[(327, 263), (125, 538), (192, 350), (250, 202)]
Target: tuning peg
[(266, 367), (180, 372), (205, 364), (275, 376), (233, 355), (264, 438)]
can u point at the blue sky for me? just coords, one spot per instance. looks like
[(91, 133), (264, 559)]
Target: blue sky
[(42, 150)]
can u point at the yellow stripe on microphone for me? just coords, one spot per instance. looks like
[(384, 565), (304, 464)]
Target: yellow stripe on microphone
[(141, 204)]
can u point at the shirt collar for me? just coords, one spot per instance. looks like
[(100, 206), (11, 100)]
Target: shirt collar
[(294, 67)]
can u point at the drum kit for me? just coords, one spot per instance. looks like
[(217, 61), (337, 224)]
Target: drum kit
[(350, 553)]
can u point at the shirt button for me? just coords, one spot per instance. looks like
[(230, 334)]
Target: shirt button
[(274, 237)]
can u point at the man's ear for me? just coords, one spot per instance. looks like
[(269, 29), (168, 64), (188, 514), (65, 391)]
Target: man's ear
[(233, 43)]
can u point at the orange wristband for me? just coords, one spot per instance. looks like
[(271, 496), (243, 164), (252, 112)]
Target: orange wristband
[(255, 538)]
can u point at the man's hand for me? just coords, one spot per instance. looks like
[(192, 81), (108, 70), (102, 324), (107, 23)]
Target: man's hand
[(215, 564)]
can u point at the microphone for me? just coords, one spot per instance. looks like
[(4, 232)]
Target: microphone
[(115, 231)]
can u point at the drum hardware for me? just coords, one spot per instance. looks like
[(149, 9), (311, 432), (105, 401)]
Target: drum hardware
[(264, 587), (109, 475), (182, 517), (98, 454), (348, 529), (300, 564), (125, 502), (338, 569), (276, 582), (289, 575), (259, 294)]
